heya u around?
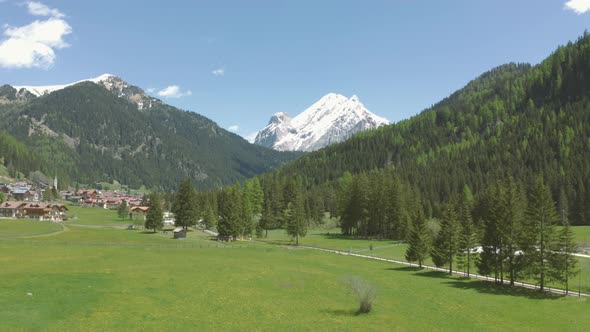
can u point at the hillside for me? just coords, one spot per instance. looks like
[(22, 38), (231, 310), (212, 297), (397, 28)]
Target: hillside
[(516, 120), (87, 132)]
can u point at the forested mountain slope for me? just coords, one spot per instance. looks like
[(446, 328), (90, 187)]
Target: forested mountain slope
[(86, 133), (516, 120)]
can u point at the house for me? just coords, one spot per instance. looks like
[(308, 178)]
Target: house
[(139, 212), (168, 218), (179, 233), (65, 195), (44, 211), (12, 209), (22, 194), (87, 193)]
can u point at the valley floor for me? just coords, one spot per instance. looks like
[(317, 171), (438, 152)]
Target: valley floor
[(107, 278)]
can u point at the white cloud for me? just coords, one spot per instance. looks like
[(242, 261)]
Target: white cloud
[(33, 45), (218, 72), (251, 136), (39, 9), (578, 6), (150, 90), (234, 128), (173, 91)]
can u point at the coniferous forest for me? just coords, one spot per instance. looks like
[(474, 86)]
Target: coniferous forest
[(515, 121), (500, 165)]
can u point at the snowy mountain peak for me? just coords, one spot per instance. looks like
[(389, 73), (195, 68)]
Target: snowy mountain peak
[(332, 119), (46, 89), (280, 118), (110, 82)]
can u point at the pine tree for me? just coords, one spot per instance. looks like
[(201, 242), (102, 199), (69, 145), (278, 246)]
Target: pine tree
[(123, 210), (155, 216), (468, 233), (295, 218), (185, 205), (490, 260), (562, 260), (230, 213), (446, 243), (266, 219), (541, 220), (419, 240)]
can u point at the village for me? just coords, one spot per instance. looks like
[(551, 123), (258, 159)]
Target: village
[(41, 201)]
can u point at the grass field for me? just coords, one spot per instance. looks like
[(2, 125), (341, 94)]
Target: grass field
[(95, 278), (18, 228)]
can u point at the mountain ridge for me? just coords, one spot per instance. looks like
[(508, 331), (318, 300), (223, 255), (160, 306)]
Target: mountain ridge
[(88, 132)]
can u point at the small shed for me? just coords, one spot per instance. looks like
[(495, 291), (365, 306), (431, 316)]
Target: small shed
[(179, 233)]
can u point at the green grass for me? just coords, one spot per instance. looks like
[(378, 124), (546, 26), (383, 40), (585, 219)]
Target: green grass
[(95, 216), (24, 227), (91, 278)]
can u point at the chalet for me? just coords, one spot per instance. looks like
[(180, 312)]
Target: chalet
[(22, 194), (12, 209), (43, 211), (87, 193), (65, 195), (139, 212)]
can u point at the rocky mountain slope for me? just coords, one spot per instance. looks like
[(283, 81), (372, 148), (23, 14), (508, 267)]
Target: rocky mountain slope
[(105, 129)]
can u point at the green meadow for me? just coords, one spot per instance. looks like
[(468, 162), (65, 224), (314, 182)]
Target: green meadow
[(90, 277)]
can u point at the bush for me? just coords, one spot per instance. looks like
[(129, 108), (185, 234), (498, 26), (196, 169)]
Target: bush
[(364, 292)]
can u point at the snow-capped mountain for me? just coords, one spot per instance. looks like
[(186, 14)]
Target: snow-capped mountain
[(334, 118), (110, 82)]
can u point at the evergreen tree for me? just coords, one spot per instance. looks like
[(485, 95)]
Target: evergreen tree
[(123, 210), (419, 240), (541, 220), (295, 218), (266, 219), (468, 233), (230, 213), (490, 260), (155, 215), (508, 215), (185, 205), (562, 260), (446, 243)]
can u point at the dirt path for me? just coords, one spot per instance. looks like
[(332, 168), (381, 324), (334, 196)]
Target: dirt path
[(476, 276)]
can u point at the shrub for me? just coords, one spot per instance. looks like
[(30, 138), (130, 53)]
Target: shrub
[(364, 292)]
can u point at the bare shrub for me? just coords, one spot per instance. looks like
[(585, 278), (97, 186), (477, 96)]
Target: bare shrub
[(364, 292)]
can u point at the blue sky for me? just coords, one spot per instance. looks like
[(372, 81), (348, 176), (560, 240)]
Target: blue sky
[(239, 62)]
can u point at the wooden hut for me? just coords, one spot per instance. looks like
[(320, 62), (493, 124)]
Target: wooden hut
[(179, 233)]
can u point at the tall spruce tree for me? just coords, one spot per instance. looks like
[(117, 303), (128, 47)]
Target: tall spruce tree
[(230, 213), (562, 260), (295, 217), (541, 220), (419, 239), (185, 207), (490, 259), (468, 238), (155, 216), (123, 210), (446, 244)]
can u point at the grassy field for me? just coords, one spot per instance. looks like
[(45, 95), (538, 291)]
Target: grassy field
[(102, 278), (18, 228)]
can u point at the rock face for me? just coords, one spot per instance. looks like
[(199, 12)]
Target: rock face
[(334, 118)]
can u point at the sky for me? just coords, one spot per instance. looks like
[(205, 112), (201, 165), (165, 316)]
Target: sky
[(239, 62)]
